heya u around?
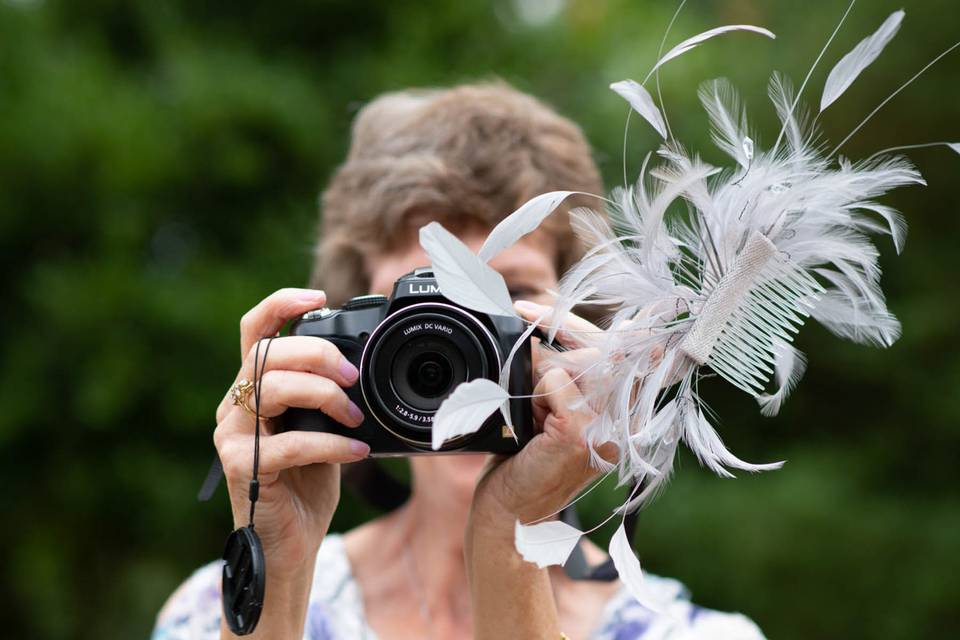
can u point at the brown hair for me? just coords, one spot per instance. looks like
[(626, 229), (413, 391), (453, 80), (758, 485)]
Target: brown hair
[(468, 154)]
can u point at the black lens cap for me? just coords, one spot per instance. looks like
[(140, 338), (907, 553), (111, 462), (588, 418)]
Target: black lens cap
[(244, 580)]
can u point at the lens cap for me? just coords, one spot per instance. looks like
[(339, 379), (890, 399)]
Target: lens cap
[(244, 580)]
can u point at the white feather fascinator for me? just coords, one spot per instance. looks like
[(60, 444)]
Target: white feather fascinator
[(705, 269)]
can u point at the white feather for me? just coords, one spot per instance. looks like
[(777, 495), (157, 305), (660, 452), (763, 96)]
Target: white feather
[(662, 279), (466, 409), (896, 225), (642, 102), (816, 215), (861, 57), (703, 440), (691, 43), (789, 366), (728, 118), (505, 371), (628, 568), (955, 146), (792, 117), (462, 276), (521, 222), (856, 318), (546, 543)]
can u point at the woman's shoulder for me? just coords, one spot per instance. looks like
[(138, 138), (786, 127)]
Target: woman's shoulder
[(193, 610), (335, 607), (677, 617), (336, 604)]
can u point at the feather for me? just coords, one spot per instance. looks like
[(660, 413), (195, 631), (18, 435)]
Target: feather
[(505, 371), (779, 236), (861, 57), (546, 543), (896, 225), (462, 276), (703, 440), (521, 222), (782, 96), (628, 568), (466, 409), (692, 43), (729, 120), (955, 146), (642, 102), (856, 318), (788, 365)]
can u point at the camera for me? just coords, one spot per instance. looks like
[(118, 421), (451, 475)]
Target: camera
[(412, 350)]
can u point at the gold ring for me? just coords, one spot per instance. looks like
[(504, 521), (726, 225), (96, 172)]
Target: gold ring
[(239, 394)]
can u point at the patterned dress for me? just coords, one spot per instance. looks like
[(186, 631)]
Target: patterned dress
[(336, 609)]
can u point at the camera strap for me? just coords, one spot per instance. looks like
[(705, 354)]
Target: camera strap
[(577, 567), (212, 481), (244, 575)]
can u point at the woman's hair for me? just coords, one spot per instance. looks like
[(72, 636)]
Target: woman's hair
[(466, 155)]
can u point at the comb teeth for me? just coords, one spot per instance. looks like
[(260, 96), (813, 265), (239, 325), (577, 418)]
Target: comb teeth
[(769, 313), (758, 304)]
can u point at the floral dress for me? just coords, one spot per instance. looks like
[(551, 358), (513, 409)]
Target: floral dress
[(336, 609)]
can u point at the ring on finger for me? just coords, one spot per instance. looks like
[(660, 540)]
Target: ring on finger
[(240, 392)]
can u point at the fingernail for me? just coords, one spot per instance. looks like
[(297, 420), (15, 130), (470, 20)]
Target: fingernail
[(359, 449), (312, 295), (529, 307), (354, 411), (348, 371)]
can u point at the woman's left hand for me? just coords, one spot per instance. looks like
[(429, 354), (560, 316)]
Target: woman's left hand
[(555, 465), (510, 596)]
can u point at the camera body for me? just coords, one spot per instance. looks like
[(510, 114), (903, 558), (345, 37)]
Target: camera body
[(412, 350)]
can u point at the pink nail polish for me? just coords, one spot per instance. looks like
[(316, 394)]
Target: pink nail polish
[(348, 371), (529, 307), (355, 413), (360, 449), (312, 296)]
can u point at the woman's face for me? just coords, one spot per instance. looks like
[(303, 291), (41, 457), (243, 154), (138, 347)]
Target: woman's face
[(528, 267)]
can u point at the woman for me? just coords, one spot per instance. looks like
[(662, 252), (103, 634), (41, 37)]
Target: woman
[(443, 565)]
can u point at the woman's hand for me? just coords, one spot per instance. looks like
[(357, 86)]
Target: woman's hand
[(512, 597), (299, 475), (555, 464)]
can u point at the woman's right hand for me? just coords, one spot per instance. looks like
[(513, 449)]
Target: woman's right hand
[(299, 474)]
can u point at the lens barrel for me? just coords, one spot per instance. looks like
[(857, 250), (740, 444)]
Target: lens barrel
[(415, 358)]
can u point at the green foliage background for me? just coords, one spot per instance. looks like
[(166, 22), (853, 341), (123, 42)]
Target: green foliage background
[(159, 170)]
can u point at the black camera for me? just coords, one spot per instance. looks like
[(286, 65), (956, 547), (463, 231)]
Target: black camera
[(412, 350)]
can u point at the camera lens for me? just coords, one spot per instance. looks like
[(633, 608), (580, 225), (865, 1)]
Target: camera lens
[(416, 358), (426, 369), (430, 375)]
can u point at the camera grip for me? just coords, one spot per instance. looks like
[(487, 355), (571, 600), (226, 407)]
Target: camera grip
[(297, 419)]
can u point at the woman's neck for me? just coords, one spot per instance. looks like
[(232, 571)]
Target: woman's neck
[(432, 525), (409, 564)]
